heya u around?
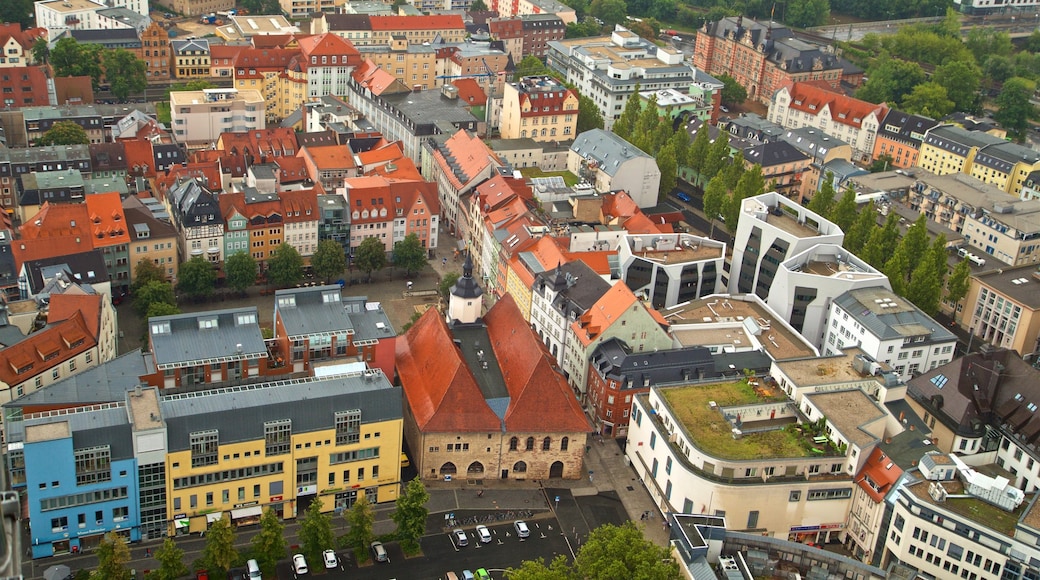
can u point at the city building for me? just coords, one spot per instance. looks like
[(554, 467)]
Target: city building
[(508, 8), (557, 299), (806, 104), (610, 163), (458, 164), (362, 29), (823, 151), (329, 165), (151, 239), (16, 44), (1002, 308), (949, 149), (39, 269), (415, 65), (60, 15), (24, 86), (196, 213), (667, 269), (528, 34), (900, 136), (491, 405), (890, 329), (608, 68), (783, 165), (246, 28), (539, 108), (156, 52), (335, 220), (264, 215), (37, 188), (200, 117), (300, 211), (328, 61), (763, 57), (190, 58), (272, 71)]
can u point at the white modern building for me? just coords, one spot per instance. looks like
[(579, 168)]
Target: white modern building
[(890, 329), (610, 163), (667, 269), (200, 117), (59, 15), (771, 229)]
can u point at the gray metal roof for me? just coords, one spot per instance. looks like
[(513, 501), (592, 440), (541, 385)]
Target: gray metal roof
[(105, 383), (324, 310), (181, 46), (579, 287), (475, 348), (606, 148), (958, 140), (239, 413), (903, 320), (774, 153), (233, 335), (84, 268)]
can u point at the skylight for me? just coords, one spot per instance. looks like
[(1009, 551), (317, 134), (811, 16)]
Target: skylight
[(940, 380)]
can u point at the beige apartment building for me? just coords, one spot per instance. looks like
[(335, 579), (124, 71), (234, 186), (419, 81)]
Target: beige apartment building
[(197, 7), (539, 107), (413, 64), (199, 117)]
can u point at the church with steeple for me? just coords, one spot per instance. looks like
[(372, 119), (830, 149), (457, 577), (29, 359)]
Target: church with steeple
[(483, 397)]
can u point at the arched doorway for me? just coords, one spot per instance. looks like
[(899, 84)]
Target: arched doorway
[(475, 469), (556, 469), (448, 469), (520, 467)]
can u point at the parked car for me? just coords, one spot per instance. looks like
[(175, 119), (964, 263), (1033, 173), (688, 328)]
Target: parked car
[(483, 534), (482, 574), (683, 196), (299, 564), (521, 528), (467, 575), (379, 552), (330, 559), (461, 539)]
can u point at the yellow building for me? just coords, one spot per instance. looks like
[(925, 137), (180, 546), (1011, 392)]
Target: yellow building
[(540, 108), (277, 74), (380, 30), (190, 58), (150, 239), (280, 445), (415, 65), (948, 149)]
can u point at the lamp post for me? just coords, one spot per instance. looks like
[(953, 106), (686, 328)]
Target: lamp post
[(971, 337)]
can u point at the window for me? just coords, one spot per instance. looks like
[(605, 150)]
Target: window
[(668, 465), (348, 427), (653, 440), (530, 444), (564, 443), (513, 443), (93, 465), (546, 444), (752, 519), (795, 495), (204, 445), (277, 437)]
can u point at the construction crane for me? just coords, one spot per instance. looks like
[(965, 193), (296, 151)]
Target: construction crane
[(486, 74)]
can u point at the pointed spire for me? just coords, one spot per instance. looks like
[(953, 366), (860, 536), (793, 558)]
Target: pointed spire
[(467, 267)]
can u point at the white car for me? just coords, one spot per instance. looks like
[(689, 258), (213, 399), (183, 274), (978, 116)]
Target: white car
[(484, 534), (521, 529), (299, 564), (460, 537), (330, 559)]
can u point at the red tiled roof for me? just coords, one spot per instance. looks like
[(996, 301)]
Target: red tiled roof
[(26, 86), (224, 54), (301, 205), (329, 45), (263, 146), (292, 169), (139, 157), (58, 337), (208, 171), (107, 220), (262, 60), (65, 306), (471, 155), (434, 22), (597, 261), (812, 99), (603, 313), (73, 90), (402, 169), (369, 75), (470, 91), (330, 156), (556, 101), (268, 41), (880, 470)]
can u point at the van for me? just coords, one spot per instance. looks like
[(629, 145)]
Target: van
[(253, 569)]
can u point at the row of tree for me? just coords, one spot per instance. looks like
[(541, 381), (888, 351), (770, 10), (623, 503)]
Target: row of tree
[(121, 69)]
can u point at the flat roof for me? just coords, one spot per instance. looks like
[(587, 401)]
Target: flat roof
[(777, 339), (1021, 285), (983, 513), (850, 412), (825, 370), (71, 5)]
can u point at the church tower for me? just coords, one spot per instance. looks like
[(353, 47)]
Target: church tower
[(465, 302)]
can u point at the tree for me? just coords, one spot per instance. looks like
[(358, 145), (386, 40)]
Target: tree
[(622, 552), (626, 122), (41, 50), (71, 59), (196, 277), (806, 13), (984, 41), (882, 163), (925, 287), (285, 267), (478, 6), (669, 166), (1033, 42), (125, 73), (315, 533), (845, 212), (961, 81), (916, 242), (154, 292), (823, 200), (698, 150), (269, 543), (589, 115), (146, 271), (64, 133), (857, 236), (219, 553), (958, 283), (646, 125), (447, 282), (113, 555), (171, 561), (732, 91), (262, 6), (1015, 108), (890, 79), (370, 255), (929, 99), (360, 518), (714, 199), (329, 260), (751, 184), (558, 569), (410, 515), (531, 65), (611, 12), (240, 270), (882, 242), (897, 268), (20, 11), (718, 155), (410, 255), (161, 309), (583, 29)]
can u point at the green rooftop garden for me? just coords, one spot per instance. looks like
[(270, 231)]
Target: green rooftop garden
[(568, 178), (1000, 520), (711, 432)]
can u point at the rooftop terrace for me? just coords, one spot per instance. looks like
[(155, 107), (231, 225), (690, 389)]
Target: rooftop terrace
[(778, 341), (976, 510), (826, 370)]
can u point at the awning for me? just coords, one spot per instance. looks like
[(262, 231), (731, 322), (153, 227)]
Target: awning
[(210, 518), (248, 512), (178, 524)]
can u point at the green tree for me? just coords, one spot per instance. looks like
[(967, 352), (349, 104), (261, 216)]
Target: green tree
[(558, 569), (845, 212), (626, 122), (531, 65), (881, 243), (370, 255), (113, 556), (698, 150), (916, 242), (196, 277), (1015, 108), (583, 29), (360, 519), (41, 50), (154, 292), (623, 552), (883, 162), (669, 166), (589, 115), (410, 255), (478, 6), (890, 79), (925, 287), (447, 282), (70, 59), (857, 236), (897, 268), (285, 267), (219, 553), (929, 99), (410, 515), (1033, 42), (715, 194), (125, 73), (823, 200), (240, 270), (64, 133), (962, 81), (269, 543), (732, 91), (161, 309), (171, 562), (718, 156), (958, 283), (146, 271), (751, 184), (611, 12), (646, 125), (329, 260), (997, 69), (315, 532), (261, 6), (984, 41), (20, 11), (806, 13)]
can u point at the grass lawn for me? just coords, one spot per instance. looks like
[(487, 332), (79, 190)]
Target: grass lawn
[(991, 515), (710, 431), (162, 113), (568, 178)]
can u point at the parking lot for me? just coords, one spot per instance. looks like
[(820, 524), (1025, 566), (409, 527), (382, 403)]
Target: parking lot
[(441, 554)]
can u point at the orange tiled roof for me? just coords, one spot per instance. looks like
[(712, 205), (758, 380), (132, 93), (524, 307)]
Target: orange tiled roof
[(811, 99), (260, 60), (385, 151), (603, 313), (65, 306), (882, 471), (64, 340), (301, 205), (292, 169), (268, 41), (139, 157), (470, 91), (331, 156), (434, 22), (43, 248), (471, 155), (402, 169), (597, 261), (329, 44), (15, 89), (224, 54), (107, 220), (369, 75), (56, 220)]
